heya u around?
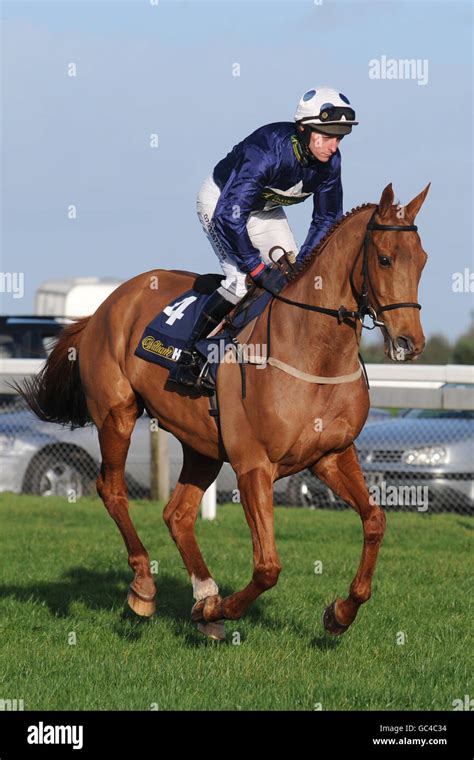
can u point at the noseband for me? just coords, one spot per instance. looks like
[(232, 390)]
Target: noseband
[(362, 298)]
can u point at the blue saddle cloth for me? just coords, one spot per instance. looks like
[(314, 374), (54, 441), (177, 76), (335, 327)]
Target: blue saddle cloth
[(165, 337)]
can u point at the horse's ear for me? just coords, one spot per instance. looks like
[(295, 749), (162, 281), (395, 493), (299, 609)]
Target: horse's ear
[(412, 208), (386, 200)]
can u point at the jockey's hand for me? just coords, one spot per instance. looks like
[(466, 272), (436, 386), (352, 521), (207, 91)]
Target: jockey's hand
[(269, 278)]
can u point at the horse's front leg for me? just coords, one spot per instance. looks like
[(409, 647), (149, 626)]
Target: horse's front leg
[(342, 473), (256, 495)]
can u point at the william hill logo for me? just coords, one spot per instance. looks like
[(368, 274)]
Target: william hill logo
[(155, 346)]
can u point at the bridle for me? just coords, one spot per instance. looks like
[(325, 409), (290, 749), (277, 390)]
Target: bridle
[(362, 299)]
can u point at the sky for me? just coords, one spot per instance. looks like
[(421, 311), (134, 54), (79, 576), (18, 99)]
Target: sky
[(167, 67)]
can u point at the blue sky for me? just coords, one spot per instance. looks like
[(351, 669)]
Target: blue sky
[(167, 69)]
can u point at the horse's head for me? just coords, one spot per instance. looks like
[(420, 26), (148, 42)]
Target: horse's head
[(395, 262)]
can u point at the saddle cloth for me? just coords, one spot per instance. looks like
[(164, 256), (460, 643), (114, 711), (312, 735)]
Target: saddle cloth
[(166, 335)]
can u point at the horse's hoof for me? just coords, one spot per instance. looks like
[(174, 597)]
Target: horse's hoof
[(330, 621), (140, 606), (205, 609), (214, 630)]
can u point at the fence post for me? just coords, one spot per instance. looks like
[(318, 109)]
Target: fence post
[(209, 503), (159, 465)]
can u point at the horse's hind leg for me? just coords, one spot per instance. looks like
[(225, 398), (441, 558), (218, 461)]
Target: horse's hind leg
[(180, 516), (343, 474), (114, 438)]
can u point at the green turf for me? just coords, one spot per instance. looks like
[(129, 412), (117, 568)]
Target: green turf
[(64, 570)]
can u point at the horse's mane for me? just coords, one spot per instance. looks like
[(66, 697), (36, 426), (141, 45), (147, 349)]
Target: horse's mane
[(324, 240)]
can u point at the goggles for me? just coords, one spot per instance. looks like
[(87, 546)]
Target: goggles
[(330, 113)]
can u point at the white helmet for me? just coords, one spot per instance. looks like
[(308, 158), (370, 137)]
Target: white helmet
[(326, 110)]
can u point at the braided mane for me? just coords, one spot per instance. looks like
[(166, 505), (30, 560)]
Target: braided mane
[(324, 240)]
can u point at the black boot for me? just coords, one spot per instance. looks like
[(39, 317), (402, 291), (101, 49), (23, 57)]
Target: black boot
[(187, 368)]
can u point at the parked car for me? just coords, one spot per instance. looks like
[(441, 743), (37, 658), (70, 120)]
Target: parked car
[(428, 448), (28, 336), (25, 342), (46, 459)]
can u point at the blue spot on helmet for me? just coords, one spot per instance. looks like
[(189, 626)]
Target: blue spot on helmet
[(308, 95), (343, 97)]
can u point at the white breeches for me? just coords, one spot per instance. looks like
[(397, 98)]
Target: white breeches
[(265, 229)]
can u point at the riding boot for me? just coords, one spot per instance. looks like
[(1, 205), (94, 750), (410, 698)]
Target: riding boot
[(187, 368)]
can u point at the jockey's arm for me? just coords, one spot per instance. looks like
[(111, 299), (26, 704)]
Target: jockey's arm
[(327, 210), (236, 202)]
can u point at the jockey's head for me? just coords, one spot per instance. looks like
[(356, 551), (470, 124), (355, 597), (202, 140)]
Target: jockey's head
[(322, 118)]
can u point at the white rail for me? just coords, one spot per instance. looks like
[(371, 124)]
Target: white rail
[(428, 386)]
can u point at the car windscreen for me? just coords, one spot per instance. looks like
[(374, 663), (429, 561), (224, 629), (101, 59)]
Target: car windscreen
[(430, 414), (25, 341)]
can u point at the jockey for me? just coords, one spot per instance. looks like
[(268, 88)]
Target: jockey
[(240, 204)]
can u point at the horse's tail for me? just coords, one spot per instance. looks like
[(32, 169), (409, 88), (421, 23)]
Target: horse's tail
[(55, 394)]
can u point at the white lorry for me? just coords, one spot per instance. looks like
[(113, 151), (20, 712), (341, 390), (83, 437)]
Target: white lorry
[(73, 297)]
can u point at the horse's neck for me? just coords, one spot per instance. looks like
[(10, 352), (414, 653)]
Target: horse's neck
[(316, 342)]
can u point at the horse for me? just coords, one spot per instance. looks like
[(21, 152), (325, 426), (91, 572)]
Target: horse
[(314, 373)]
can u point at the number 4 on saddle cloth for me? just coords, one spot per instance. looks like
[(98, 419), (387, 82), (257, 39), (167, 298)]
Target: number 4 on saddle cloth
[(166, 336)]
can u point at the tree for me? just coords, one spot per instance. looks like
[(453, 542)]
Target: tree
[(464, 348), (373, 353), (438, 350), (463, 352)]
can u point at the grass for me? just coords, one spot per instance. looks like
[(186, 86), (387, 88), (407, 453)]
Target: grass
[(64, 575)]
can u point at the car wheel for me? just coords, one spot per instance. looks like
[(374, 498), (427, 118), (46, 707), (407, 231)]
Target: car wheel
[(58, 473)]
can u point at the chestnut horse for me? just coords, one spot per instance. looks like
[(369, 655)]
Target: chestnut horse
[(364, 263)]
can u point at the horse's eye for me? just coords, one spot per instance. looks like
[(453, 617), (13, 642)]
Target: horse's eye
[(385, 261)]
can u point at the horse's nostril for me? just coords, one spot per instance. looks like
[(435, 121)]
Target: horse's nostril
[(404, 343)]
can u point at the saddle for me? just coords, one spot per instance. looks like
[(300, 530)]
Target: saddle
[(166, 335)]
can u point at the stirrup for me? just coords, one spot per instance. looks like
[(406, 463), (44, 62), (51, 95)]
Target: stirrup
[(188, 358), (205, 381), (183, 374)]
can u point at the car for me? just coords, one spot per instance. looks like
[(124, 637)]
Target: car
[(427, 449), (25, 342), (28, 336), (47, 459)]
